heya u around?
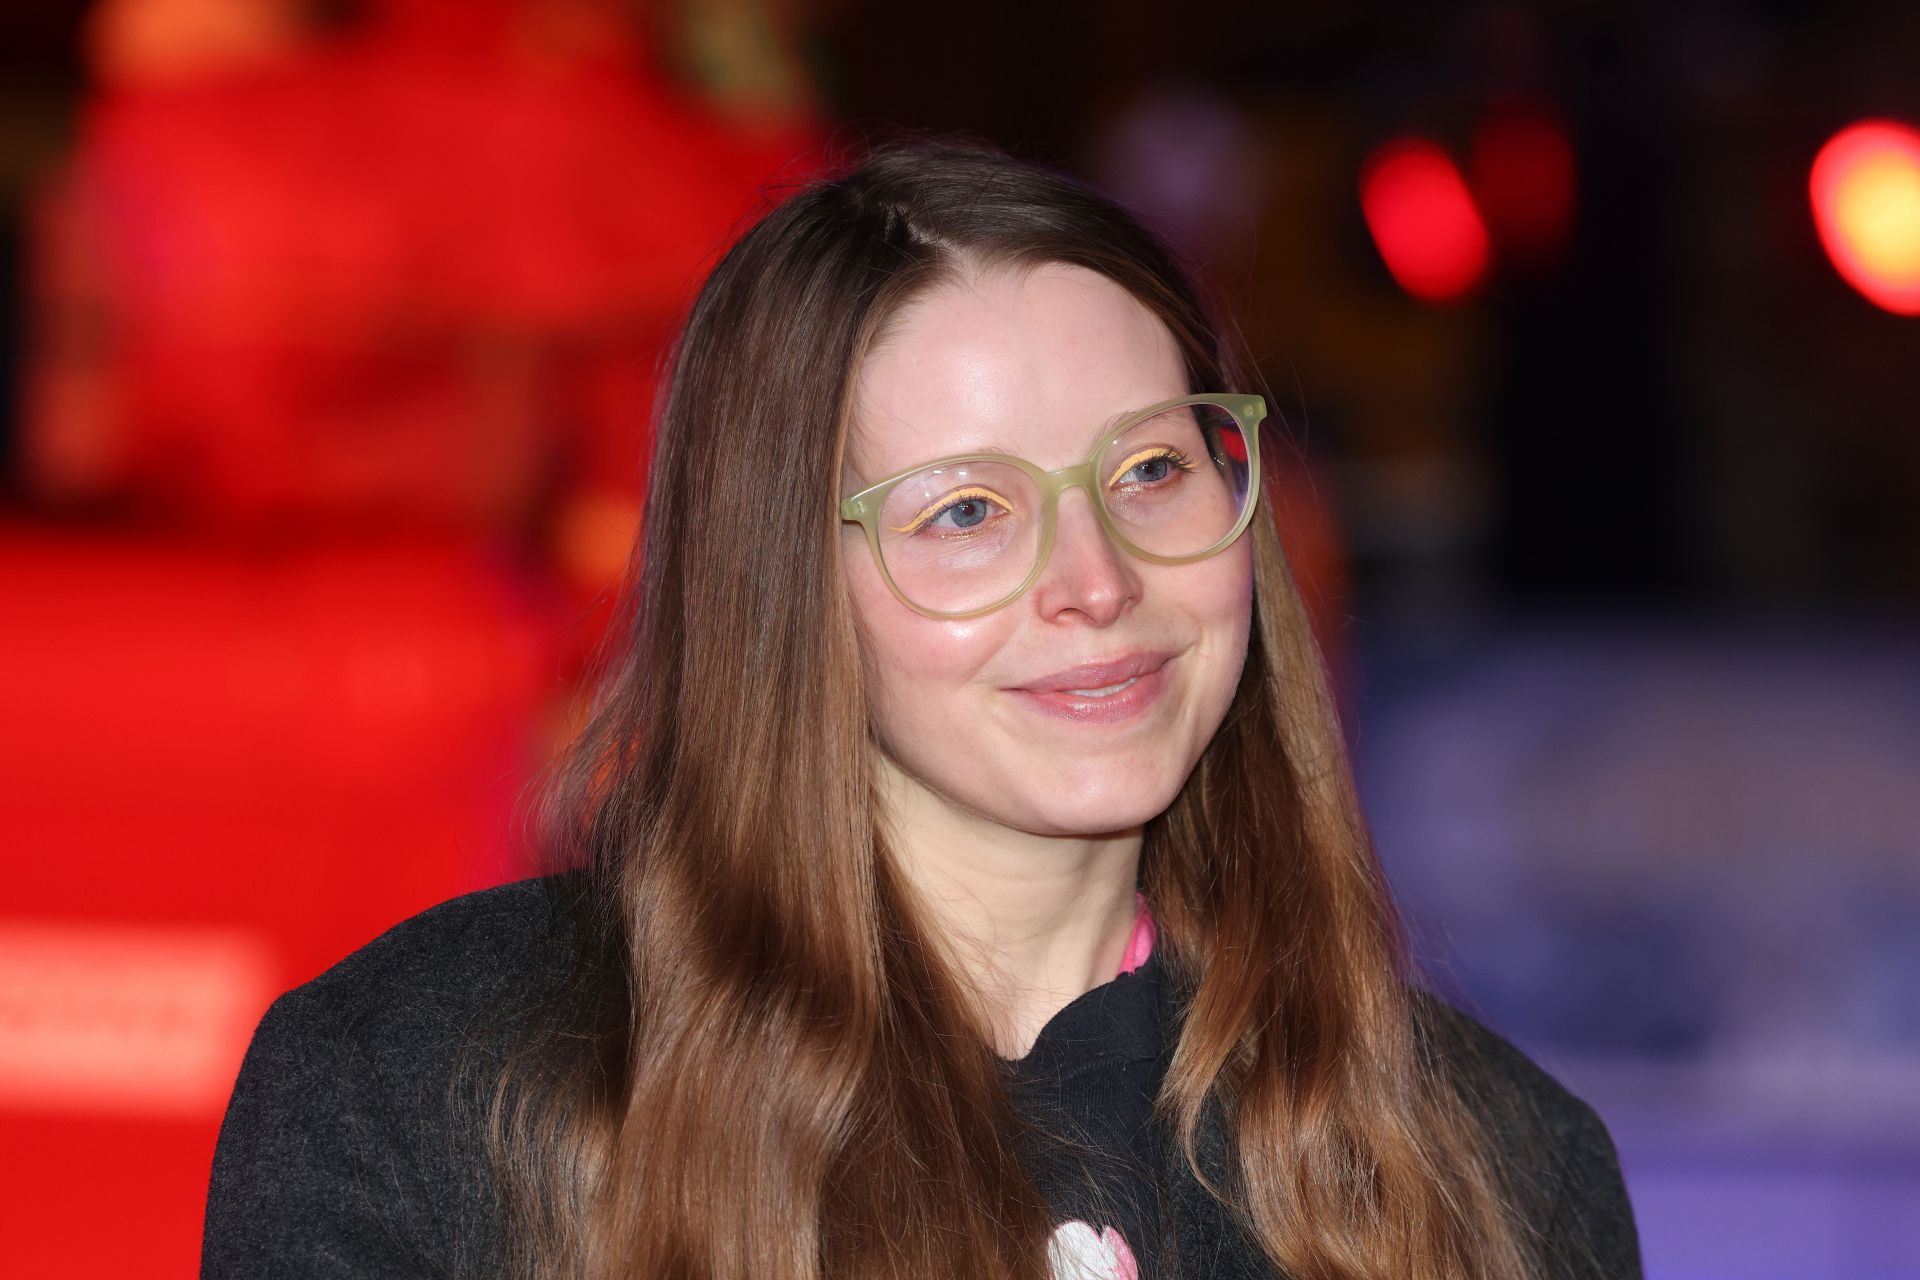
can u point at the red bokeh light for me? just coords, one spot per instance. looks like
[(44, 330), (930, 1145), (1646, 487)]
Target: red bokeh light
[(1865, 189), (1523, 177), (1424, 220)]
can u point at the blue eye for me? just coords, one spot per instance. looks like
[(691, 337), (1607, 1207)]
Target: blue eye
[(1155, 468), (960, 512), (966, 513)]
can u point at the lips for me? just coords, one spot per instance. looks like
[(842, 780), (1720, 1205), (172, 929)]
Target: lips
[(1099, 675), (1121, 691)]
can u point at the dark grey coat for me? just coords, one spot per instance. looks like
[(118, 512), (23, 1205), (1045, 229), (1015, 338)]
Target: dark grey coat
[(337, 1156)]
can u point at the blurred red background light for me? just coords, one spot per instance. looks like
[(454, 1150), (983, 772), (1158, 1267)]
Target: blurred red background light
[(1423, 220), (1865, 189), (1523, 177)]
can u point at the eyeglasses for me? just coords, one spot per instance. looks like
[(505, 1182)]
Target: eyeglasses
[(962, 536)]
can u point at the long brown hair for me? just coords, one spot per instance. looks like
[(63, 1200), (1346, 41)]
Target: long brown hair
[(761, 1066)]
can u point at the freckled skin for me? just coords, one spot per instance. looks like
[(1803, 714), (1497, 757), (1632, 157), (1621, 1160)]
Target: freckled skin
[(1036, 362)]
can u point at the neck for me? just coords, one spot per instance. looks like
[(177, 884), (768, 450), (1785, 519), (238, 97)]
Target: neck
[(1033, 921)]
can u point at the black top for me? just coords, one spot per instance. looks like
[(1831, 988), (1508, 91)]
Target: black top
[(1086, 1087), (337, 1157)]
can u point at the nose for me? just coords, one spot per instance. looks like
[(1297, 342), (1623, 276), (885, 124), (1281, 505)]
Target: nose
[(1086, 573)]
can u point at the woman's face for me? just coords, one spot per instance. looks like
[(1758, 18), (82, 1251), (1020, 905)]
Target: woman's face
[(1039, 363)]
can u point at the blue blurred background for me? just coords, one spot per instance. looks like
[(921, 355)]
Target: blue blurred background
[(330, 337)]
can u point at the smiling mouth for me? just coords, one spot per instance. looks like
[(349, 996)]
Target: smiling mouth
[(1106, 692), (1128, 701)]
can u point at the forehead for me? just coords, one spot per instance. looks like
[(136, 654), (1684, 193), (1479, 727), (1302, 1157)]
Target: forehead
[(1033, 361)]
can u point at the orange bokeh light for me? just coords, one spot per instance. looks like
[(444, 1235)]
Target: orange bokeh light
[(1865, 189)]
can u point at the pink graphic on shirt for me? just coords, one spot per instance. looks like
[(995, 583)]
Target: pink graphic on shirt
[(1077, 1252), (1140, 941)]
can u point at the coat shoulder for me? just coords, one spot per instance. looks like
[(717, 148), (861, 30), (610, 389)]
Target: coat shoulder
[(433, 969), (1556, 1151), (346, 1147)]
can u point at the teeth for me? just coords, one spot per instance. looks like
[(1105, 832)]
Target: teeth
[(1101, 693)]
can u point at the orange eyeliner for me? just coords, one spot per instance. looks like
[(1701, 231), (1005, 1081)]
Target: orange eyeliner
[(959, 495), (1157, 451)]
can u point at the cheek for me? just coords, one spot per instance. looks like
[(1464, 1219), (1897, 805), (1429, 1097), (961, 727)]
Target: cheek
[(1222, 608), (1221, 596), (920, 667), (1236, 591)]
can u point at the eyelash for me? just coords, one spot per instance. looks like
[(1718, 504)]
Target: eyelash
[(1179, 460), (927, 517)]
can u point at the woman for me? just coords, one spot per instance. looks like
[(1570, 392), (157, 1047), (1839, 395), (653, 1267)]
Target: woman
[(961, 871)]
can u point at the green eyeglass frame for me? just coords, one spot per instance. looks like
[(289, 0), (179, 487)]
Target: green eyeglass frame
[(863, 508)]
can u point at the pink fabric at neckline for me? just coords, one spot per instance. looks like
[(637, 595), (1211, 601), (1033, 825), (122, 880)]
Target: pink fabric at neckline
[(1140, 941)]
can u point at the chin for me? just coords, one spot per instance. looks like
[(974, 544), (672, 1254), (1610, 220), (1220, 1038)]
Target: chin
[(1095, 805)]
